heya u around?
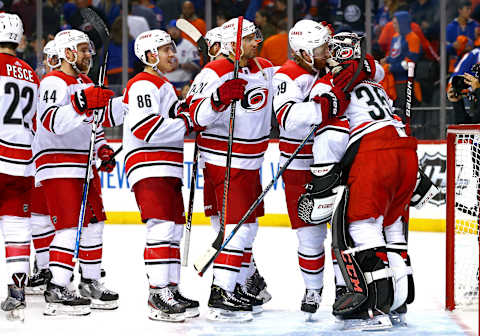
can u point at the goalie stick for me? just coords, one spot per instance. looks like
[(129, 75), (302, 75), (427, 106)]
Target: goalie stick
[(195, 35), (204, 261), (102, 30)]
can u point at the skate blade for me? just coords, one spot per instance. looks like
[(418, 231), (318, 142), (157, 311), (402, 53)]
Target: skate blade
[(398, 320), (16, 315), (264, 295), (311, 317), (104, 305), (192, 312), (158, 315), (216, 314), (381, 322), (257, 310), (55, 309), (37, 290)]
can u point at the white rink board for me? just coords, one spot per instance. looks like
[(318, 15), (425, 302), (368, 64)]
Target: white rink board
[(117, 196)]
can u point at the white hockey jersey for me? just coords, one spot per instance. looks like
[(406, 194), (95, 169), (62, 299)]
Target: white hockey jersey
[(369, 110), (252, 115), (18, 102), (331, 139), (292, 85), (62, 138), (152, 138)]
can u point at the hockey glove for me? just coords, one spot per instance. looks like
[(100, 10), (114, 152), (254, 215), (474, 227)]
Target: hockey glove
[(332, 103), (106, 153), (229, 91), (329, 26), (345, 71), (315, 206), (93, 97)]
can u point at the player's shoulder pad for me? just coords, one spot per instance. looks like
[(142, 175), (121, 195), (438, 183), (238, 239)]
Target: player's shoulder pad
[(292, 70), (15, 61), (221, 66), (264, 63), (69, 80), (144, 76)]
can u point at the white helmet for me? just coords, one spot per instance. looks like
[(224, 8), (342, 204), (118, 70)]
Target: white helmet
[(344, 47), (214, 36), (51, 51), (150, 41), (229, 33), (70, 39), (11, 28), (307, 35)]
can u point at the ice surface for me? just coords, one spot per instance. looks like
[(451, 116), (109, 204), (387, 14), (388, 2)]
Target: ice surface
[(275, 254)]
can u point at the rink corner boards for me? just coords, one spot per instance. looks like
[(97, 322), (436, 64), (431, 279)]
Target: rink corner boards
[(272, 220)]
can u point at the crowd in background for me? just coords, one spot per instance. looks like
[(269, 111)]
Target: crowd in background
[(401, 30)]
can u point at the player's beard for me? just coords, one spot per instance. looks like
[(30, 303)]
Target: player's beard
[(84, 65)]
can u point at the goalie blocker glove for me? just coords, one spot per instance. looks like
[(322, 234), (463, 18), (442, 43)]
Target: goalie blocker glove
[(316, 205), (424, 190)]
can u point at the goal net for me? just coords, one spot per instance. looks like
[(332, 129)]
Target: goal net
[(463, 197)]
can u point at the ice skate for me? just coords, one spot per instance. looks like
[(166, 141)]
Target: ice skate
[(191, 306), (14, 305), (101, 297), (37, 283), (243, 295), (164, 307), (224, 306), (373, 322), (397, 316), (257, 286), (310, 302), (62, 301)]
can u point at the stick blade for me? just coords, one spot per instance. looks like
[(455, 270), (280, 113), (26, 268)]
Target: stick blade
[(205, 260), (188, 29)]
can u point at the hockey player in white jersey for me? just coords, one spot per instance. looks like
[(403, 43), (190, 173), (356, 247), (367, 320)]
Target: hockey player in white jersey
[(381, 180), (213, 38), (213, 92), (67, 99), (302, 100), (18, 98), (153, 137)]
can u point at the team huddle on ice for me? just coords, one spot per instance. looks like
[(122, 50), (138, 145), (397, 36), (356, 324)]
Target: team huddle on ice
[(358, 172)]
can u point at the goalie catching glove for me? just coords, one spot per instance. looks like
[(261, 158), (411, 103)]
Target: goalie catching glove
[(316, 205)]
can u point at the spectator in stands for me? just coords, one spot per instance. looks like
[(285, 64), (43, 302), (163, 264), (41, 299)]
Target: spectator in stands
[(221, 18), (275, 48), (461, 114), (262, 21), (27, 10), (461, 34), (171, 9), (142, 8), (111, 8), (188, 13), (427, 14), (136, 24), (280, 10), (405, 47), (188, 60), (51, 12), (115, 60)]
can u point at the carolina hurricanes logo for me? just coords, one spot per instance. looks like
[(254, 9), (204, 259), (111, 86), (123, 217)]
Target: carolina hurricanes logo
[(255, 99), (346, 53)]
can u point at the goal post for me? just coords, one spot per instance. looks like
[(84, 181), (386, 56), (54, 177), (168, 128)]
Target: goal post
[(462, 217)]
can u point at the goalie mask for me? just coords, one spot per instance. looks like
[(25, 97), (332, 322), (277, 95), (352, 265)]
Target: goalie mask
[(150, 41), (229, 34), (308, 36), (50, 51), (71, 39), (345, 47), (11, 28)]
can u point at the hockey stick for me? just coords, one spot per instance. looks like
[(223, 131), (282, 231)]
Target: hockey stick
[(216, 246), (195, 35), (188, 226), (202, 263), (102, 29), (408, 100)]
